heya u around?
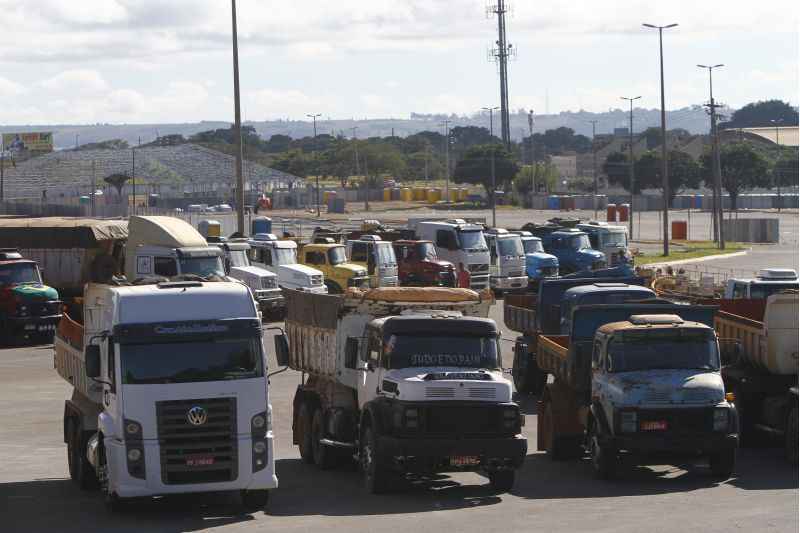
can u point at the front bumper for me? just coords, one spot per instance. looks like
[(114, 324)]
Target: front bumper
[(506, 282), (33, 324), (269, 300), (412, 454), (666, 442)]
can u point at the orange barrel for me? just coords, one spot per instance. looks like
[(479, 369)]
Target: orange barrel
[(406, 195), (419, 194), (434, 195), (387, 195), (325, 195), (396, 194), (623, 210), (463, 194), (453, 195), (679, 230), (611, 212)]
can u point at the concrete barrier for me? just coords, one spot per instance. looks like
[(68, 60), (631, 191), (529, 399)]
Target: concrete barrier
[(764, 230)]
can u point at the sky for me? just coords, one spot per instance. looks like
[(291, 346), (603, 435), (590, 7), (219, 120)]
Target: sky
[(161, 61)]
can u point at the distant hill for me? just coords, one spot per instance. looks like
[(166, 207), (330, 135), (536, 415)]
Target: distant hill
[(692, 119)]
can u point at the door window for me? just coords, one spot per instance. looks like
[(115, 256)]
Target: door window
[(315, 258), (165, 266), (359, 252), (739, 290)]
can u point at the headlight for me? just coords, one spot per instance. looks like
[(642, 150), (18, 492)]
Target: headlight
[(259, 421), (721, 419), (511, 418), (259, 447), (258, 425), (133, 430), (412, 418), (628, 421), (134, 454)]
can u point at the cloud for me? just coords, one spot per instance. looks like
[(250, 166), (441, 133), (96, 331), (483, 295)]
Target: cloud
[(9, 88), (78, 80), (274, 103)]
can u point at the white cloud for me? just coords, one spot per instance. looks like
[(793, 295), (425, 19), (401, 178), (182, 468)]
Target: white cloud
[(272, 103), (9, 88), (78, 80), (96, 12)]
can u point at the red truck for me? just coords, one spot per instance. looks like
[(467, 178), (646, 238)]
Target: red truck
[(418, 265)]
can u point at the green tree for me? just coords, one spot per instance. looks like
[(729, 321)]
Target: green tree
[(742, 168), (760, 114), (475, 167), (683, 172), (784, 170), (616, 168)]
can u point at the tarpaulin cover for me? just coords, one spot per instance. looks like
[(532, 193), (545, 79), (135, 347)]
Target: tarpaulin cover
[(59, 232)]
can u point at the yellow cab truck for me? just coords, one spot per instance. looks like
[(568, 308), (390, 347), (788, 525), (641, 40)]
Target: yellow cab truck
[(331, 259)]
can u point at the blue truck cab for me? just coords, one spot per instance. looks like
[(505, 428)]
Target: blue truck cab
[(574, 250), (599, 293), (538, 263), (610, 239)]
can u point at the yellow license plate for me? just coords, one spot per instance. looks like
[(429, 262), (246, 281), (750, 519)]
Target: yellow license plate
[(465, 460)]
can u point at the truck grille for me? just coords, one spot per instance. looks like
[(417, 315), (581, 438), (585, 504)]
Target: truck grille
[(448, 279), (269, 283), (596, 265), (550, 272), (213, 444), (462, 420), (478, 268), (316, 280), (52, 307), (681, 421)]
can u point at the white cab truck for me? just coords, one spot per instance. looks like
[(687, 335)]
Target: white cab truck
[(769, 281), (377, 256), (461, 243), (170, 392), (280, 258), (261, 281), (507, 260), (406, 380)]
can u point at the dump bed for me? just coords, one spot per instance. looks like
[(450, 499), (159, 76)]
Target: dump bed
[(318, 325)]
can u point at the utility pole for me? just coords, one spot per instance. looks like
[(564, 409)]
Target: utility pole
[(664, 176), (491, 111), (594, 166), (719, 211), (76, 140), (530, 151), (314, 152), (237, 127), (446, 125), (778, 147), (133, 177), (2, 169), (631, 178), (500, 54), (94, 185), (366, 179)]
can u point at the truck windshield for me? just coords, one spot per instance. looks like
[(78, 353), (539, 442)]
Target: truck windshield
[(663, 349), (764, 290), (185, 362), (579, 242), (429, 350), (239, 258), (202, 266), (510, 246), (615, 239), (19, 274), (337, 256), (427, 250), (472, 240), (285, 256), (385, 254), (533, 246)]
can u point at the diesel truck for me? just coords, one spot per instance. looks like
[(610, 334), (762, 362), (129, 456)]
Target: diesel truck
[(637, 379), (170, 392), (404, 380)]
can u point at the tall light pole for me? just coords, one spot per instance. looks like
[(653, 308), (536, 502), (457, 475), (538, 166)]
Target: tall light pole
[(237, 127), (530, 151), (631, 177), (777, 121), (594, 167), (314, 152), (491, 111), (664, 176), (718, 214), (366, 184), (446, 125)]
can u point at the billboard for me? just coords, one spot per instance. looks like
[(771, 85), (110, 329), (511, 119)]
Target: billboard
[(41, 141)]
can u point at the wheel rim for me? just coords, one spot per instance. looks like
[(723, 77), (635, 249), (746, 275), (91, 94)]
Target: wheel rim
[(597, 454), (316, 435), (366, 454)]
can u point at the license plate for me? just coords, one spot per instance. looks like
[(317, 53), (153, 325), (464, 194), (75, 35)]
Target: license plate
[(654, 425), (200, 460), (30, 327), (465, 460), (44, 328)]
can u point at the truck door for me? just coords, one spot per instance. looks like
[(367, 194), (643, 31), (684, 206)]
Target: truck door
[(368, 385), (108, 371)]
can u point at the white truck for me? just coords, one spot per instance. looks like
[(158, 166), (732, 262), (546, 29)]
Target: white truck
[(261, 281), (170, 392), (280, 258), (461, 243), (406, 380), (507, 260), (769, 281), (378, 257)]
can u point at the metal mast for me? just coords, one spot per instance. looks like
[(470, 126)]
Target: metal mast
[(500, 54)]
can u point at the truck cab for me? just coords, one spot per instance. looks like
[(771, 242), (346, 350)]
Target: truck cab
[(506, 260), (331, 259), (656, 387), (599, 293), (461, 243), (769, 281), (28, 308), (538, 263), (377, 256), (574, 251), (262, 282), (609, 239), (418, 264), (280, 257)]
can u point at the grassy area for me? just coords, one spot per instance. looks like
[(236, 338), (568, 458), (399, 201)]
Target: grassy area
[(681, 250)]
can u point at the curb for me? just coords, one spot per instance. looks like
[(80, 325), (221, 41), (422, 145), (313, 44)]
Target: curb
[(697, 259)]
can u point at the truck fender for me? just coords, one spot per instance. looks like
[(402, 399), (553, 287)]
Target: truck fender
[(81, 412), (105, 425), (599, 417), (370, 414)]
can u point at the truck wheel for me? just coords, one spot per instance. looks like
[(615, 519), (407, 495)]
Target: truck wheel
[(304, 424), (254, 500), (81, 471), (791, 435), (537, 379), (501, 480), (748, 436), (333, 287), (324, 457), (551, 441), (72, 450), (604, 458), (723, 463), (519, 370), (376, 478)]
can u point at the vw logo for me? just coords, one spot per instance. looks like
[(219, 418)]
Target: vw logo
[(197, 416)]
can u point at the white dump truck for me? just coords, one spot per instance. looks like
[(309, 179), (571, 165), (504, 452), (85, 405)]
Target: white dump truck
[(406, 380), (280, 257), (170, 392)]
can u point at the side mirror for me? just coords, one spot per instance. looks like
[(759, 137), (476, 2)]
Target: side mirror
[(351, 353), (92, 359), (730, 351), (282, 350)]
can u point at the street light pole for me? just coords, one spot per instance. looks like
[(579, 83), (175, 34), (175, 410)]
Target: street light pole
[(491, 111), (777, 158), (630, 163), (314, 118), (446, 125), (237, 127), (664, 176), (594, 167), (719, 211), (530, 155)]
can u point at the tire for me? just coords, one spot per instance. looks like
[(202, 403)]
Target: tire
[(333, 287), (502, 480), (791, 435), (520, 370), (81, 471), (377, 480), (604, 457), (723, 463), (254, 500), (304, 425), (324, 457), (537, 379), (748, 434), (72, 449)]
